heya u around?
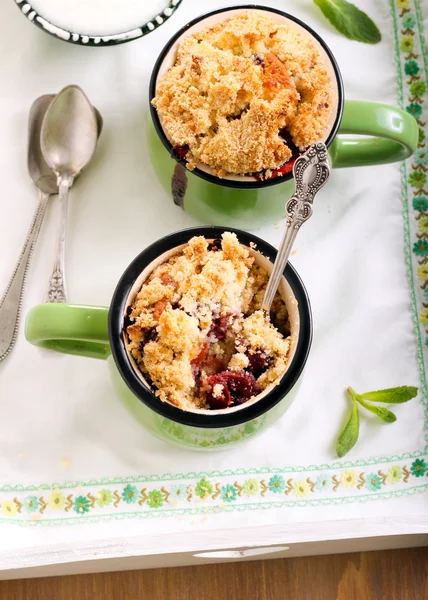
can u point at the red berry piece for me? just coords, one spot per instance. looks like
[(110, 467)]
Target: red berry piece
[(258, 363), (237, 388), (223, 400), (182, 150)]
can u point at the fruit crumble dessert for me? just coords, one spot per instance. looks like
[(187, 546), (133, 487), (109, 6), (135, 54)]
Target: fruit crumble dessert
[(246, 96), (196, 331)]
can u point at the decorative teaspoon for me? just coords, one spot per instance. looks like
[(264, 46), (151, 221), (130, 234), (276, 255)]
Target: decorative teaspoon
[(311, 172), (68, 141)]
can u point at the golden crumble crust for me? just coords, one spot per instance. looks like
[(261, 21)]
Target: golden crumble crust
[(237, 87), (197, 317)]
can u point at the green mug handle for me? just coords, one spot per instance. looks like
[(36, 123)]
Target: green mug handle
[(78, 330), (394, 132)]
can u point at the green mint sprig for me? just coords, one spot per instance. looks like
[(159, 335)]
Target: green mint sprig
[(349, 436), (350, 21)]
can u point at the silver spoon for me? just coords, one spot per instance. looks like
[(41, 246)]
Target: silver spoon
[(68, 142), (45, 181), (311, 171)]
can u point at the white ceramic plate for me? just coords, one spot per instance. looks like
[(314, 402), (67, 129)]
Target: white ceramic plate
[(98, 22)]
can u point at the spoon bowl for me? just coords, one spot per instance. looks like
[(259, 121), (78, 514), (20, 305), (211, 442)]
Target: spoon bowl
[(69, 132), (40, 172)]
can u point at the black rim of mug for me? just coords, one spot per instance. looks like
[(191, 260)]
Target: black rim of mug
[(145, 394), (203, 174)]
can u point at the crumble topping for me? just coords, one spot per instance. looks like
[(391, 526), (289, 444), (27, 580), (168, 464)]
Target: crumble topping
[(196, 331), (245, 96)]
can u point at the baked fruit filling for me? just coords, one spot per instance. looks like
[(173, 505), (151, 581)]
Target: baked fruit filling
[(246, 97), (196, 331)]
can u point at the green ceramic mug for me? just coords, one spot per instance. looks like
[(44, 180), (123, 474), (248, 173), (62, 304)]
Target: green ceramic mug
[(246, 202), (98, 332)]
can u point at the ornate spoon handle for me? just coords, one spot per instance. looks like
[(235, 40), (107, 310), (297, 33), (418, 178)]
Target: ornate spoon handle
[(10, 304), (311, 171), (56, 292)]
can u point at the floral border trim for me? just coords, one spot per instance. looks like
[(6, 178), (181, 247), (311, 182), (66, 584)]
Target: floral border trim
[(313, 485), (413, 83), (211, 495)]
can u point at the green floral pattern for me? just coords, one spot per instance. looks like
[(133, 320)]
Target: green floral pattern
[(420, 248), (415, 79), (276, 484), (211, 439), (408, 21), (411, 68), (220, 492), (420, 157), (203, 488), (334, 483), (104, 498), (419, 468), (417, 179), (154, 499), (423, 225), (251, 487), (374, 482), (406, 43), (418, 88), (130, 494), (420, 203), (414, 109), (228, 493), (31, 504), (81, 505)]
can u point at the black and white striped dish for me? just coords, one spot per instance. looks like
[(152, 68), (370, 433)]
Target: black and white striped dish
[(100, 40)]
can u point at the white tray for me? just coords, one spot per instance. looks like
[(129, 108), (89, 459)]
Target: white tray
[(61, 423)]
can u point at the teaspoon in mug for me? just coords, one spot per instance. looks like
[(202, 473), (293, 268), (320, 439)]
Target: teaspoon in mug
[(311, 172)]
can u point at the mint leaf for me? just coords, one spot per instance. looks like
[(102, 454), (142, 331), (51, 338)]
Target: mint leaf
[(397, 395), (382, 412), (349, 436), (350, 21)]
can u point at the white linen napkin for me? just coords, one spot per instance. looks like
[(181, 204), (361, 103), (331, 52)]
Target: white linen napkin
[(70, 453)]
